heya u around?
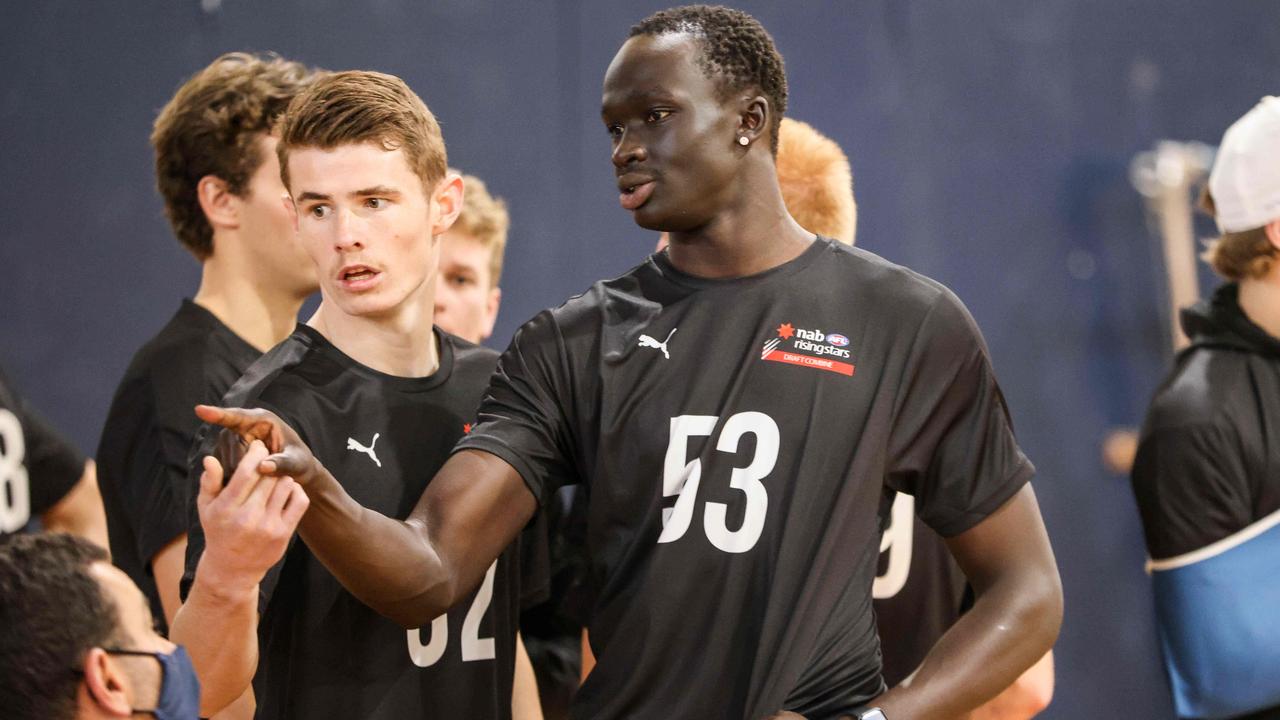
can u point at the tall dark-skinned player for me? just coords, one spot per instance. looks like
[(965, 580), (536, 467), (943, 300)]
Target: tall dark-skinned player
[(739, 410)]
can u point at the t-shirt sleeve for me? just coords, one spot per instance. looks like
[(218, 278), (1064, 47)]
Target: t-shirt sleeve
[(1192, 489), (952, 443), (54, 465), (524, 417), (205, 444), (157, 489)]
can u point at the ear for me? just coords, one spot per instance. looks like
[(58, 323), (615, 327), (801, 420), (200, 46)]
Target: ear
[(106, 683), (754, 115), (448, 201), (1273, 233), (220, 206), (491, 305)]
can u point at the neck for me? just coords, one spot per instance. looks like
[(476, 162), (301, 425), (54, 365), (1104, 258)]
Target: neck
[(262, 313), (755, 233), (399, 342), (1260, 300)]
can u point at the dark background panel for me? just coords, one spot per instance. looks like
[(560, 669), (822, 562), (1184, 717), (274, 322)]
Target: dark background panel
[(990, 142)]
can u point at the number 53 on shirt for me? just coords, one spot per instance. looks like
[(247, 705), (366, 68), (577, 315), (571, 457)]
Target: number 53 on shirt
[(681, 477)]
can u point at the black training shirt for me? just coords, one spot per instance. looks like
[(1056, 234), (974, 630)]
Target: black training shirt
[(38, 467), (737, 438), (150, 428), (1208, 462), (322, 652)]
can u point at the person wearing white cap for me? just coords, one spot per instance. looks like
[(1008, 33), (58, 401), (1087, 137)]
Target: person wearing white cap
[(1207, 473)]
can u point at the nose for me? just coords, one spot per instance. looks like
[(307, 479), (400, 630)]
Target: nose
[(346, 232), (628, 151)]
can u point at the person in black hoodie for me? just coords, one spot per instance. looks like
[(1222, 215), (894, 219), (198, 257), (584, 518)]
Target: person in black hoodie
[(1207, 473)]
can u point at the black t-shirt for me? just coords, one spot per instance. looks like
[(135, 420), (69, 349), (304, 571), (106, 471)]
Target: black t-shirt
[(322, 652), (1208, 462), (38, 467), (150, 428), (737, 438), (919, 591)]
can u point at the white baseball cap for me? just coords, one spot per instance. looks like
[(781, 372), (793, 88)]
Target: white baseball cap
[(1245, 182)]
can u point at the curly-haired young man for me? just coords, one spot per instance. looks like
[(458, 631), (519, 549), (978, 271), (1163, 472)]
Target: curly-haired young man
[(217, 172), (738, 410)]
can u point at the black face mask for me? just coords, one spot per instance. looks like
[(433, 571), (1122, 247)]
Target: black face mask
[(179, 687)]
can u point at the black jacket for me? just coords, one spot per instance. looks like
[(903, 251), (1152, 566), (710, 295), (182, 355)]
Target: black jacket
[(1208, 462)]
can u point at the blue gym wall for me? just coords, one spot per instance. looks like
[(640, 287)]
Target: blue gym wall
[(990, 143)]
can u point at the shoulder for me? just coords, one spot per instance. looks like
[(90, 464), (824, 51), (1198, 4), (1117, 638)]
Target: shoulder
[(471, 362), (1200, 392), (909, 296), (184, 356), (277, 376), (588, 311), (910, 303)]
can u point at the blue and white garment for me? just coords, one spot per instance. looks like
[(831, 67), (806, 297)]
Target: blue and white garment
[(1218, 610)]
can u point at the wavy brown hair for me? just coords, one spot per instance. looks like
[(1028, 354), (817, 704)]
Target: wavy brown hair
[(211, 126)]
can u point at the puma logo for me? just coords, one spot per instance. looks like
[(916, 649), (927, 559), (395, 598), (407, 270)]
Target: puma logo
[(353, 444), (646, 341)]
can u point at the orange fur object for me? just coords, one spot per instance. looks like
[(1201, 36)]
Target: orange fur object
[(817, 184)]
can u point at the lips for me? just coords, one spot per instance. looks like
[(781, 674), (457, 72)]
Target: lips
[(358, 277), (633, 196)]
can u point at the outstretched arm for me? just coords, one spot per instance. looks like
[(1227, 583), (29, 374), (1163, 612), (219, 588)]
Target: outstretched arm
[(413, 570), (1013, 623)]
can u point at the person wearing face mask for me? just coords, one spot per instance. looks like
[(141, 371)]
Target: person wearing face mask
[(79, 639)]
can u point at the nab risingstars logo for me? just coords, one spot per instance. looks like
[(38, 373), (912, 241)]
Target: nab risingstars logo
[(809, 348)]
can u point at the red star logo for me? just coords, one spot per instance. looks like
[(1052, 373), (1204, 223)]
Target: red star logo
[(466, 429), (785, 331)]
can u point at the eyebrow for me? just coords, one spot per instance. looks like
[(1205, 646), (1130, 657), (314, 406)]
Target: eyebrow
[(376, 190)]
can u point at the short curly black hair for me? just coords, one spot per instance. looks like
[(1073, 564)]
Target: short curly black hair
[(737, 50), (53, 612)]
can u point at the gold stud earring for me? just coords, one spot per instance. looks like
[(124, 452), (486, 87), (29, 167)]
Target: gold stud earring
[(743, 141)]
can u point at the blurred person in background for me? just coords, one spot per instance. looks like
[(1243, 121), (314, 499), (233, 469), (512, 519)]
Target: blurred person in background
[(1207, 472), (217, 172), (467, 299), (43, 477), (467, 289)]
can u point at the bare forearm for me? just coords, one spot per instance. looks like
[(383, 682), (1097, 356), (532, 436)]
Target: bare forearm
[(218, 627), (1025, 698), (388, 564), (1008, 629)]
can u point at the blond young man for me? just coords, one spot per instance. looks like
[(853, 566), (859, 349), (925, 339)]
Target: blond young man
[(468, 295), (376, 389), (217, 172)]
